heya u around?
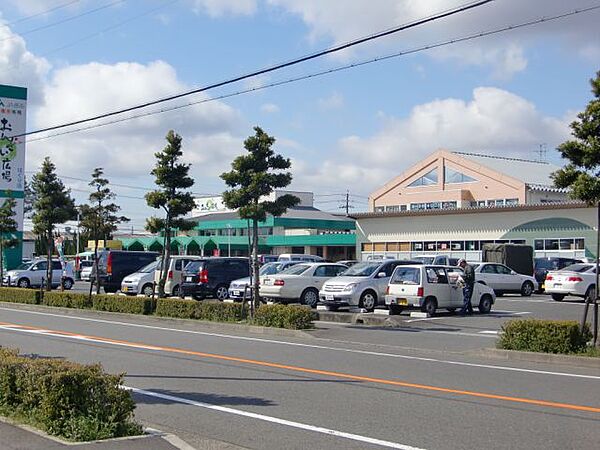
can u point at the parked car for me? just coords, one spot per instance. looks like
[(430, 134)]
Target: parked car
[(140, 282), (174, 273), (114, 265), (548, 264), (432, 287), (578, 280), (33, 273), (84, 264), (503, 280), (237, 287), (299, 257), (362, 285), (348, 262), (441, 260), (300, 282), (212, 276), (86, 272), (264, 259)]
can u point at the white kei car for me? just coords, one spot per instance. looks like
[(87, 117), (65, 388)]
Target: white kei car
[(302, 281), (432, 287), (578, 280), (504, 280)]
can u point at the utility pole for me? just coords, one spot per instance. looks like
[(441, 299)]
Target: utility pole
[(346, 206)]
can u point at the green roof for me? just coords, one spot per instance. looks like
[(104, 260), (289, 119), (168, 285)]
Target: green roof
[(313, 239)]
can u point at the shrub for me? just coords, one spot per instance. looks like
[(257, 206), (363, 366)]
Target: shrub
[(122, 304), (74, 401), (285, 316), (170, 307), (66, 299), (221, 312), (546, 336), (19, 295)]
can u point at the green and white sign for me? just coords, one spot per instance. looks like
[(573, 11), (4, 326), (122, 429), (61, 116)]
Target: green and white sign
[(13, 109)]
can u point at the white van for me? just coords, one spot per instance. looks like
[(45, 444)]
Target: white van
[(299, 257), (432, 287), (174, 272)]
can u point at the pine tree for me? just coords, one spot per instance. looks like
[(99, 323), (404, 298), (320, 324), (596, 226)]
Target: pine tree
[(53, 205), (171, 176), (254, 176)]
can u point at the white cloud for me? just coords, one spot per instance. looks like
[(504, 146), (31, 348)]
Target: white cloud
[(217, 8), (20, 67), (127, 149), (270, 108), (505, 53), (334, 101), (494, 121)]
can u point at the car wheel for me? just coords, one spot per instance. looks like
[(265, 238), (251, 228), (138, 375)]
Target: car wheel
[(175, 291), (590, 294), (395, 309), (68, 284), (221, 292), (368, 300), (558, 297), (429, 306), (527, 289), (23, 283), (485, 304), (310, 297), (147, 290)]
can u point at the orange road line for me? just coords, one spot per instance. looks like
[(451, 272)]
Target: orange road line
[(316, 371)]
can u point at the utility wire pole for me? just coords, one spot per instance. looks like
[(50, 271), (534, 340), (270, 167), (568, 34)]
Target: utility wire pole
[(347, 206)]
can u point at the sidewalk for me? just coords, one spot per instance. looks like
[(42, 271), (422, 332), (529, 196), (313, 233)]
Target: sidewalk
[(13, 437)]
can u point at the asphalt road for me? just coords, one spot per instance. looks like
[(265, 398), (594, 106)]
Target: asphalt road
[(346, 387)]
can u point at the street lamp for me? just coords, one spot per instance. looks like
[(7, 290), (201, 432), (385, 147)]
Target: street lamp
[(228, 239)]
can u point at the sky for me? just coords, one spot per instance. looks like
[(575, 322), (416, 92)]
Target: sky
[(347, 131)]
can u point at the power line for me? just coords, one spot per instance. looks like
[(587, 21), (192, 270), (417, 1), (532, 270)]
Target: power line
[(328, 51), (329, 71), (32, 16), (60, 22)]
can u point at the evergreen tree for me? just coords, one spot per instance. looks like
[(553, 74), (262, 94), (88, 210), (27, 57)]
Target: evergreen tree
[(581, 174), (29, 198), (171, 176), (8, 228), (254, 176), (53, 205)]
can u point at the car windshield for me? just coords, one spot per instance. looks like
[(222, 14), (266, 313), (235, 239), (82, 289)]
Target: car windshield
[(424, 259), (577, 268), (23, 266), (273, 267), (296, 270), (406, 275), (548, 264), (149, 268), (362, 269)]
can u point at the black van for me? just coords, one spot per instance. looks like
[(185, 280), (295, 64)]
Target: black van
[(211, 276), (117, 264)]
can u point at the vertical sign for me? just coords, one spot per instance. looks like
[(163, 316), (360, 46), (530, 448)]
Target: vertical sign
[(13, 107)]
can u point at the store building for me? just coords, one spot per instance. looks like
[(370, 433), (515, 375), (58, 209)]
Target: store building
[(455, 203), (302, 229)]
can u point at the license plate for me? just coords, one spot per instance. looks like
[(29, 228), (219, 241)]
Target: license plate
[(125, 289), (236, 293), (189, 278), (268, 282), (402, 301), (329, 297), (543, 286)]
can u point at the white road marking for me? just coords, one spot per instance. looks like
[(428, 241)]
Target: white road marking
[(320, 347), (495, 332), (276, 420)]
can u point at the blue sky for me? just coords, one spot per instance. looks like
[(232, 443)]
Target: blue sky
[(354, 130)]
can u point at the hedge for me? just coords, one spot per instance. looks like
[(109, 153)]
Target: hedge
[(192, 309), (170, 307), (285, 316), (66, 299), (546, 336), (122, 304), (20, 295), (74, 401)]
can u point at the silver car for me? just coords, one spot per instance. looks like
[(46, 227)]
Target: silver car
[(237, 287), (362, 285), (140, 282), (33, 274)]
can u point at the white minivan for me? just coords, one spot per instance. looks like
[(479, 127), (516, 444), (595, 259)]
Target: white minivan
[(299, 257), (432, 287), (174, 272)]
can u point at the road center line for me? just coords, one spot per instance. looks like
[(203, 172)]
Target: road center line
[(288, 423), (324, 347), (329, 373)]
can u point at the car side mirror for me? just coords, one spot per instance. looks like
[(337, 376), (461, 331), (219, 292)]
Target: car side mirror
[(512, 272), (381, 275)]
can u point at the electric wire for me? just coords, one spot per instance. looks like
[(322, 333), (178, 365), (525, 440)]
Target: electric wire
[(432, 18), (42, 13), (432, 46)]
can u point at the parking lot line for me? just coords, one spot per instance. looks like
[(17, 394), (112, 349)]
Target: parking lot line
[(292, 368)]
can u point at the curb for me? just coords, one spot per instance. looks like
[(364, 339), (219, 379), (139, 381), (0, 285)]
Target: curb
[(222, 326), (515, 355)]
